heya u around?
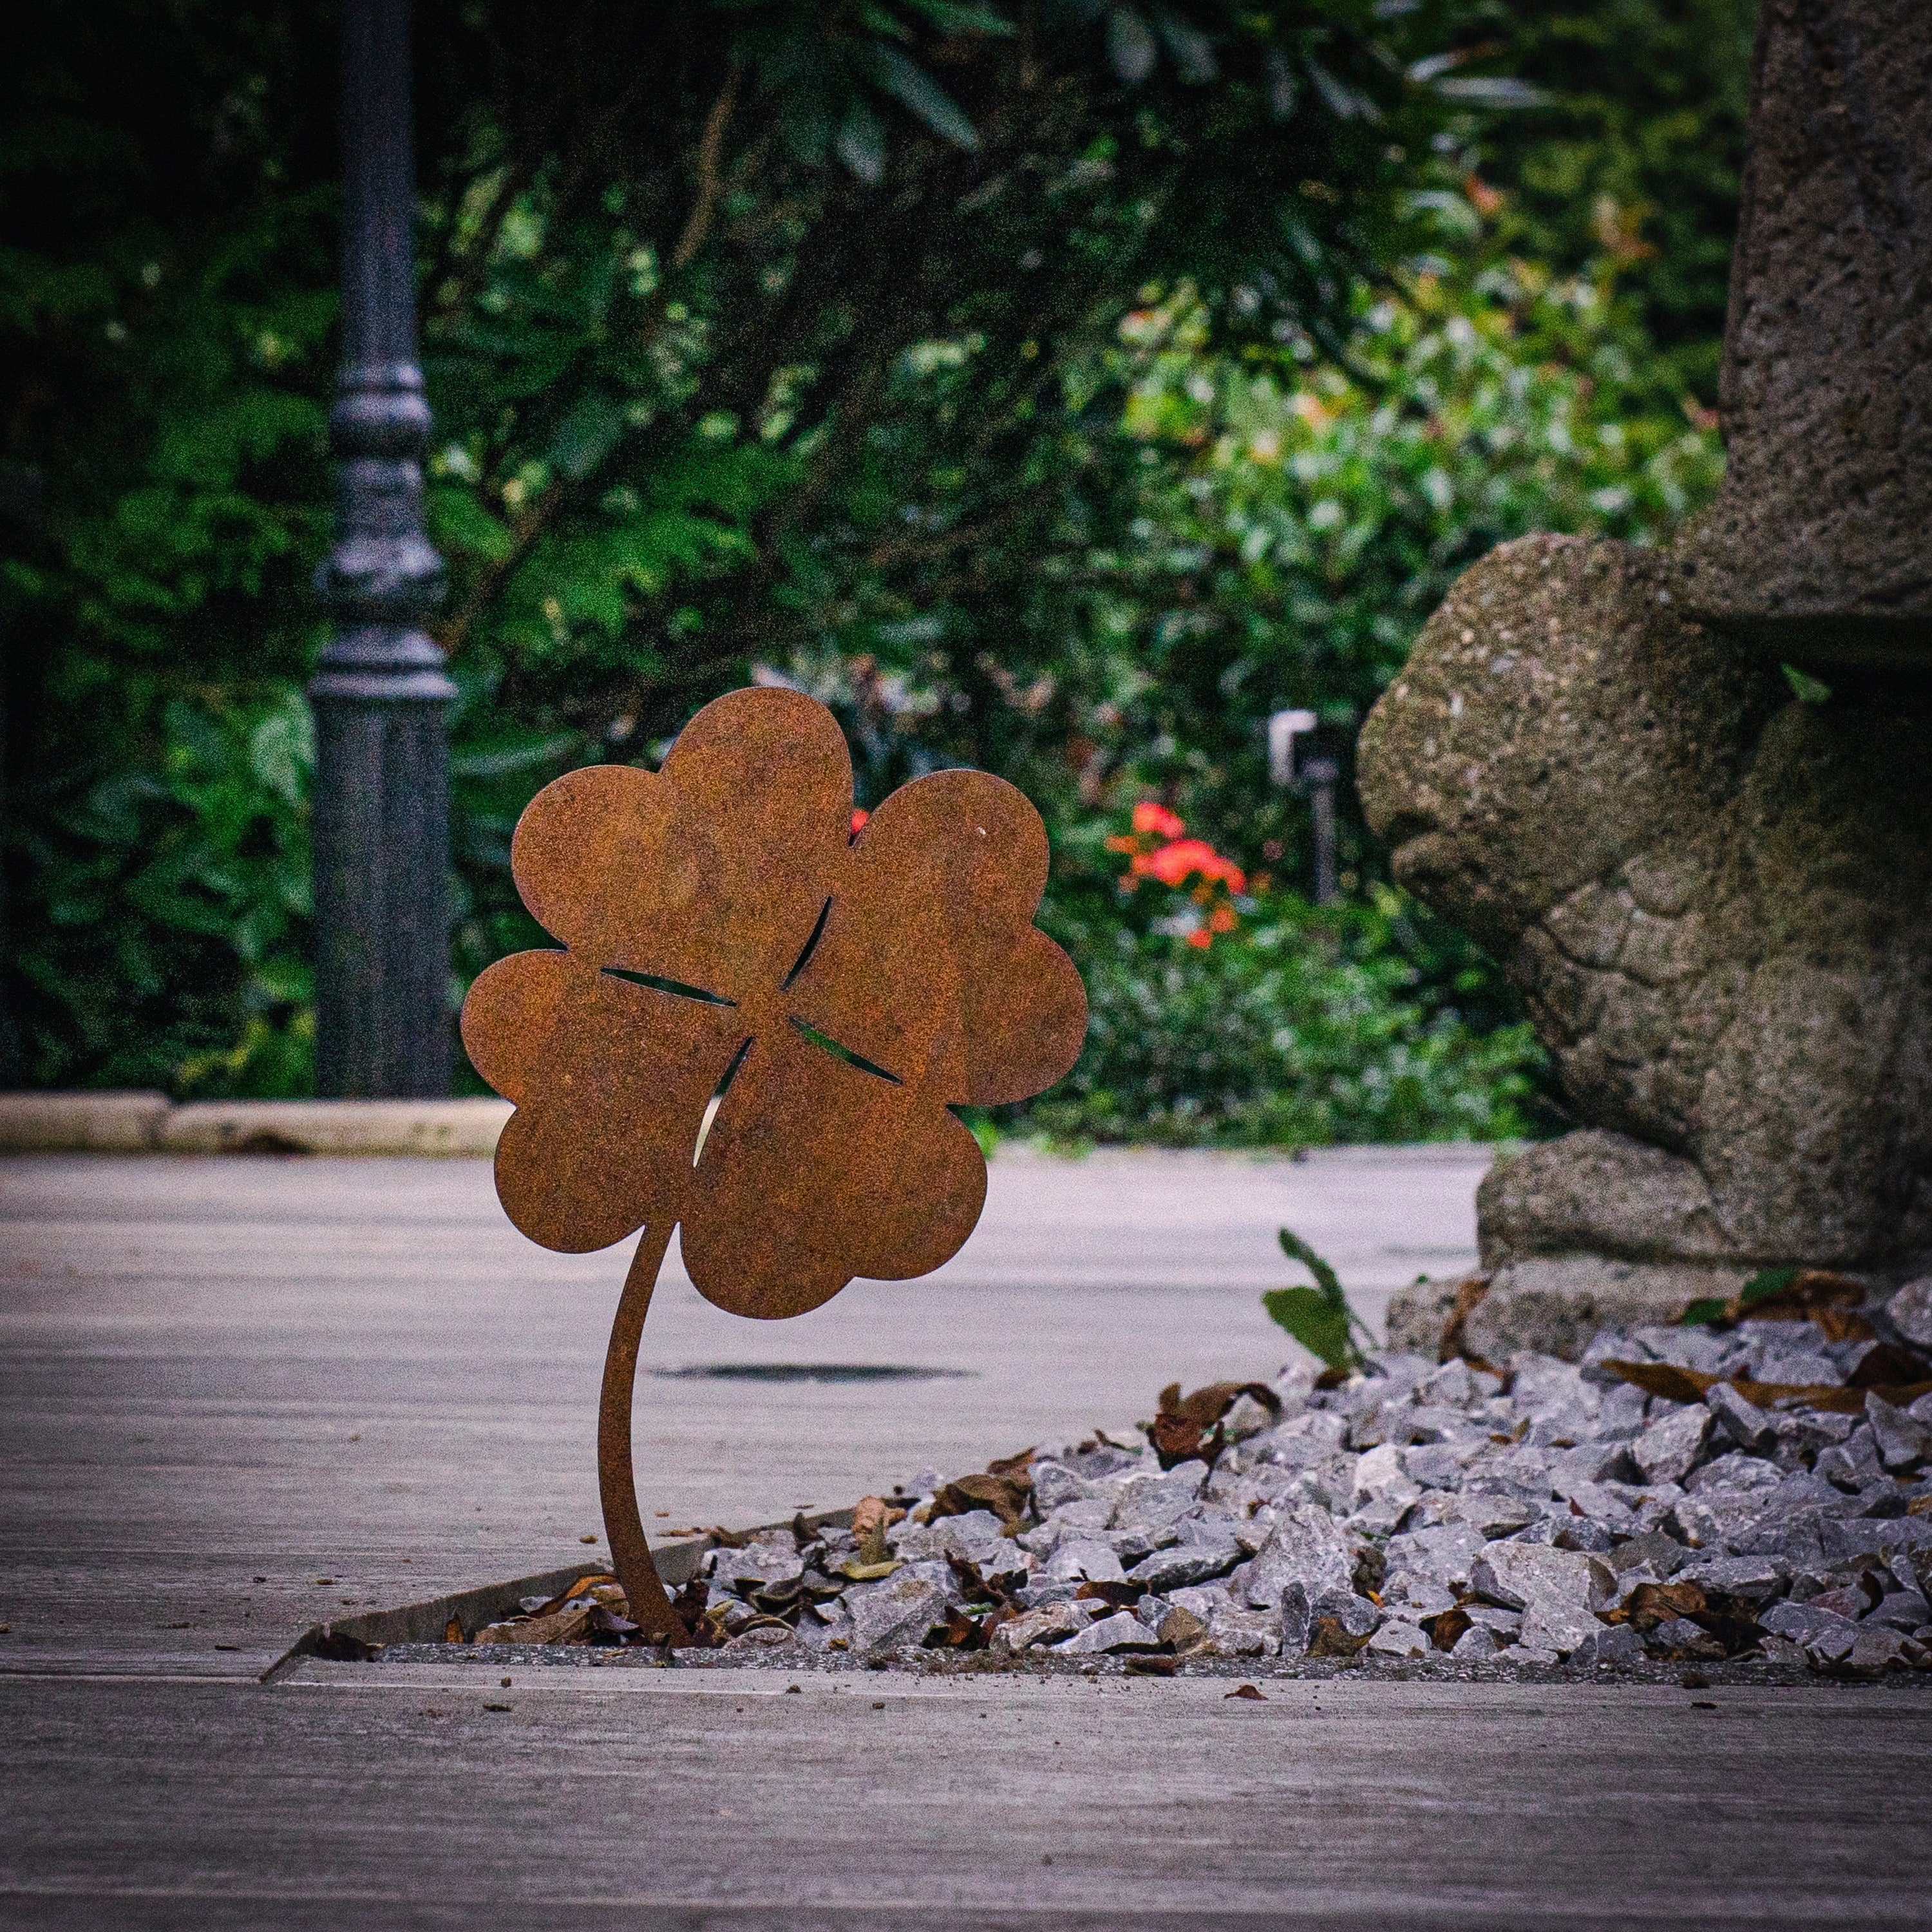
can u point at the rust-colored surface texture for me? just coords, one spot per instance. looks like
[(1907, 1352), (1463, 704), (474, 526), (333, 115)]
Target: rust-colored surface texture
[(756, 1026)]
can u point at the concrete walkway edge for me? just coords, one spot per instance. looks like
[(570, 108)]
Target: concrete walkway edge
[(150, 1122)]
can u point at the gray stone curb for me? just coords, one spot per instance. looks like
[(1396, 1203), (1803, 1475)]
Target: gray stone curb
[(149, 1123)]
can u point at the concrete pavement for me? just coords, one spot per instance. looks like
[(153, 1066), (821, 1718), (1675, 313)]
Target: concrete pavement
[(667, 1799), (238, 1395), (211, 1369)]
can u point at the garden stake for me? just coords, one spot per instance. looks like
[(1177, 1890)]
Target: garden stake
[(764, 1008)]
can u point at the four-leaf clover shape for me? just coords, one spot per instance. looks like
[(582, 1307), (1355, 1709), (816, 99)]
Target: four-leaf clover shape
[(758, 1023)]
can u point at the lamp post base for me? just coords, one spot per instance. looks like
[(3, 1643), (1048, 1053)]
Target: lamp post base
[(381, 831)]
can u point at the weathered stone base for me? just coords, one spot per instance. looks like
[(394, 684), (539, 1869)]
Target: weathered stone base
[(1555, 1304)]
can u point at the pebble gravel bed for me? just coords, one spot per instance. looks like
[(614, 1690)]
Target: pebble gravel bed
[(1421, 1518)]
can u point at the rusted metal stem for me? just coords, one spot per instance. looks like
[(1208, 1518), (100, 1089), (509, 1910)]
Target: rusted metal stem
[(617, 1483)]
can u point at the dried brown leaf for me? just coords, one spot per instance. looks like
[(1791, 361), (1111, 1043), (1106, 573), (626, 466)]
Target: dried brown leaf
[(1886, 1365), (1007, 1496), (1842, 1325), (1117, 1596), (1677, 1384), (1328, 1639), (1650, 1604), (1454, 1342), (1208, 1405)]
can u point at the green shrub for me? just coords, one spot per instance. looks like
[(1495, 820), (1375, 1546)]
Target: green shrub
[(1303, 1028), (842, 395)]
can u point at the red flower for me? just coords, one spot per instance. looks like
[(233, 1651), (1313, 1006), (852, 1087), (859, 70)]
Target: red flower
[(1150, 815), (1174, 863)]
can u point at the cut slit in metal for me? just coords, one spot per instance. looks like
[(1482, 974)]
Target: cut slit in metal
[(811, 946), (676, 988), (717, 1099), (826, 1044)]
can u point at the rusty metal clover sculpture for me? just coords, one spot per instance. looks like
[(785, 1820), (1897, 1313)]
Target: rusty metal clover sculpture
[(756, 1027)]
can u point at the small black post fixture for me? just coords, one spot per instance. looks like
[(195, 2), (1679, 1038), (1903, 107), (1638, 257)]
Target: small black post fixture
[(1302, 756), (381, 819)]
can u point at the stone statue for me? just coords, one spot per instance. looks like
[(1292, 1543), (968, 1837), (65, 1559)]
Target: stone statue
[(1717, 899)]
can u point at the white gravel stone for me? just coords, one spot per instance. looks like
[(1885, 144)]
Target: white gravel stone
[(898, 1610), (772, 1559), (1911, 1311), (1493, 1516), (1736, 1472), (1774, 1353), (1441, 1555), (1556, 1590), (1668, 1449), (1822, 1634), (1148, 1504), (1356, 1615), (1185, 1563), (1122, 1631), (1307, 1548), (1082, 1520), (1045, 1625), (1380, 1477), (1747, 1425), (1095, 1562), (1756, 1579), (1247, 1419), (1608, 1645), (1903, 1443), (1456, 1385), (1400, 1640), (975, 1538)]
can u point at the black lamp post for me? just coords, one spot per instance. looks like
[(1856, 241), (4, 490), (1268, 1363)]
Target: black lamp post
[(381, 820)]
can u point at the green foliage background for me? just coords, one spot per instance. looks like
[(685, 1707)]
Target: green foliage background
[(1055, 390)]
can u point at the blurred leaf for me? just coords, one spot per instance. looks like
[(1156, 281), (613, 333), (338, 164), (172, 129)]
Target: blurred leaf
[(1296, 1249), (918, 94), (862, 142), (953, 18), (1766, 1283), (1131, 46), (1490, 91), (1313, 1320), (1193, 56)]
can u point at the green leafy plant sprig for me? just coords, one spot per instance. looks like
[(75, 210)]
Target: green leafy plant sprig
[(1318, 1318)]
